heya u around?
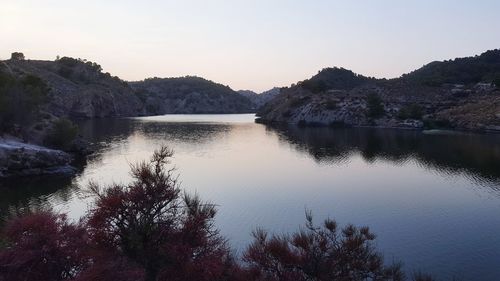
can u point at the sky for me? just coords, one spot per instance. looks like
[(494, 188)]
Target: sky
[(253, 45)]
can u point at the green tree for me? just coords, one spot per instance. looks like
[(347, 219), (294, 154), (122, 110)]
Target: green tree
[(17, 56), (63, 134), (411, 111), (375, 106)]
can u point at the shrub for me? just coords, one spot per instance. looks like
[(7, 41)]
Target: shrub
[(330, 105), (319, 253), (297, 102), (63, 133), (496, 80), (65, 71), (20, 100), (375, 106), (42, 246), (412, 111)]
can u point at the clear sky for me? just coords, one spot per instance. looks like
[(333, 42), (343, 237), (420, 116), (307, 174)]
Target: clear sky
[(254, 44)]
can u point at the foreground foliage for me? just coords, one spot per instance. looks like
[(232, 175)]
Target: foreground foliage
[(149, 230)]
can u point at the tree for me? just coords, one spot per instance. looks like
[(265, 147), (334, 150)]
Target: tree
[(375, 106), (165, 235), (318, 253), (20, 100), (63, 134), (411, 111), (17, 56)]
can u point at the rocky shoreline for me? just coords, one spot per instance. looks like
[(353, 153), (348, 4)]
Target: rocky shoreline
[(22, 159)]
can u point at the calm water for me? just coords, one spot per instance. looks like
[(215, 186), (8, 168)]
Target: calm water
[(432, 199)]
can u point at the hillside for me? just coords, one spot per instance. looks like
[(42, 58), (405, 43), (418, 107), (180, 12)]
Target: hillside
[(78, 88), (458, 94), (190, 95)]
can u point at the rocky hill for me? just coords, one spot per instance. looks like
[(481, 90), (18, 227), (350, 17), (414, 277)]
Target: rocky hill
[(190, 95), (78, 88), (459, 94)]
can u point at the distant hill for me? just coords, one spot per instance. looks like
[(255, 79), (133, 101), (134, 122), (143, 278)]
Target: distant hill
[(261, 99), (462, 93), (189, 94)]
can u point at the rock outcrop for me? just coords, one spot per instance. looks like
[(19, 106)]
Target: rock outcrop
[(22, 159)]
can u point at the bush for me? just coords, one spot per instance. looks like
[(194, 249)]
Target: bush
[(330, 105), (20, 100), (496, 81), (412, 111), (319, 253), (42, 246), (297, 102), (375, 106), (62, 135)]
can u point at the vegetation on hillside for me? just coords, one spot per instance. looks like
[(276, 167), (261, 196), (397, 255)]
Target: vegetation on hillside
[(20, 100), (150, 230), (375, 107), (62, 134), (189, 94), (334, 78), (178, 87), (410, 111), (82, 71), (469, 70)]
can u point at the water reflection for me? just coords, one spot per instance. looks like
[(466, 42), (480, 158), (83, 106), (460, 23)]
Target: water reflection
[(426, 196), (478, 156), (107, 131), (33, 193)]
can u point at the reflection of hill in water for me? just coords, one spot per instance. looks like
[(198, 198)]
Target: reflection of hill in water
[(40, 192), (32, 193), (119, 129), (476, 155)]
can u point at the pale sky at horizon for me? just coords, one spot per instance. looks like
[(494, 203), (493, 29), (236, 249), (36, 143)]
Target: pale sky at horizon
[(252, 45)]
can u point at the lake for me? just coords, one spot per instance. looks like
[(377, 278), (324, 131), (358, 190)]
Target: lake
[(433, 199)]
